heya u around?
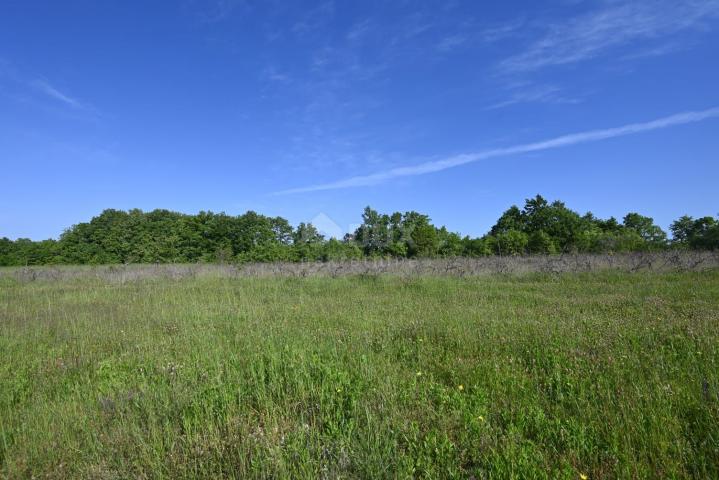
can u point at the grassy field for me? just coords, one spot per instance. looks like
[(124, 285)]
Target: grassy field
[(575, 376)]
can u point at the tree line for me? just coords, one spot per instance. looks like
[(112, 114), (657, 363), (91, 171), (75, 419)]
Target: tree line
[(163, 236)]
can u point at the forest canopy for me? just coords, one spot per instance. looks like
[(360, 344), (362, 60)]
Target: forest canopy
[(163, 236)]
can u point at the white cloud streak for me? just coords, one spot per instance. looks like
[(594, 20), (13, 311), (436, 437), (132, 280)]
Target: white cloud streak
[(51, 91), (463, 159), (621, 23), (534, 94)]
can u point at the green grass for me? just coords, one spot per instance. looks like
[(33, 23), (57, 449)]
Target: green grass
[(604, 375)]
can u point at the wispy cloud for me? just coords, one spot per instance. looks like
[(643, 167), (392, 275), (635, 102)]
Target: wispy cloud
[(272, 74), (501, 32), (359, 31), (56, 94), (621, 23), (212, 11), (658, 51), (311, 21), (37, 91), (451, 42), (458, 160), (471, 33), (535, 94)]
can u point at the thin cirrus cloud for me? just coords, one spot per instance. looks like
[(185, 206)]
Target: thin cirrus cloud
[(535, 94), (626, 23), (56, 94), (212, 11), (459, 160)]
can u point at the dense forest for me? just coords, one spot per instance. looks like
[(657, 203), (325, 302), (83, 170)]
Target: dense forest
[(162, 236)]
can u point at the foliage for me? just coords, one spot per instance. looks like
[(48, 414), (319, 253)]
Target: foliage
[(511, 242), (162, 236), (700, 234), (541, 242), (652, 236)]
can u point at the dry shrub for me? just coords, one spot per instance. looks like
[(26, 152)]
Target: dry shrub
[(668, 261)]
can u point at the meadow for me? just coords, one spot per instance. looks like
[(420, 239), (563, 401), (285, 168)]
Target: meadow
[(603, 374)]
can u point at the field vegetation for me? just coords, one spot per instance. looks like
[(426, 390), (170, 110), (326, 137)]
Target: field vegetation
[(528, 375)]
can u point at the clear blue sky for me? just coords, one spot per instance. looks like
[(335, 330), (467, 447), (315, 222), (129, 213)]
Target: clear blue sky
[(298, 108)]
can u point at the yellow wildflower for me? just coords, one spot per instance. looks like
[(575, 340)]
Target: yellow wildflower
[(583, 476), (460, 387)]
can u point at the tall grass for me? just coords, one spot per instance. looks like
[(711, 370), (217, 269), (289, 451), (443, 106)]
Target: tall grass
[(536, 376)]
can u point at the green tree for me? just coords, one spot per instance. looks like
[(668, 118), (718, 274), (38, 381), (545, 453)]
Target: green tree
[(335, 250), (308, 243), (424, 240), (511, 242), (373, 235), (511, 219), (116, 236), (654, 237), (477, 247), (306, 233), (541, 242), (703, 233), (682, 230), (449, 243)]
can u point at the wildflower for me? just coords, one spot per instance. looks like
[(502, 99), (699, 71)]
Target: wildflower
[(481, 418), (419, 374), (460, 387), (339, 390), (583, 476)]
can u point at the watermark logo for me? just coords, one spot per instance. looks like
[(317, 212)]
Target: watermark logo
[(327, 227)]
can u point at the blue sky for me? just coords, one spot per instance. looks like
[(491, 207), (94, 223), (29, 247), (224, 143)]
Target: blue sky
[(451, 108)]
